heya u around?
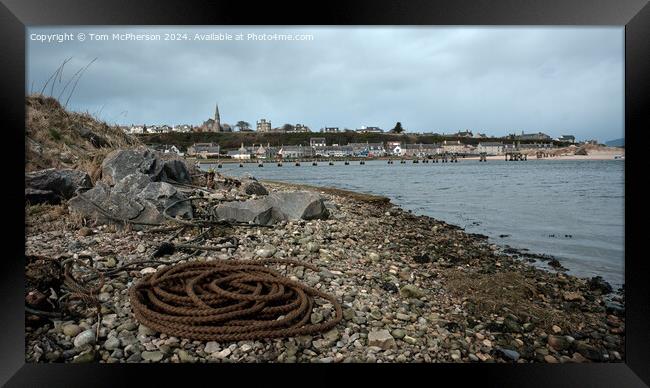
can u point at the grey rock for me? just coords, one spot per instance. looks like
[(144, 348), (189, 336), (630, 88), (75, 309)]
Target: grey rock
[(86, 337), (313, 247), (598, 283), (348, 314), (85, 357), (135, 357), (410, 340), (112, 343), (403, 317), (557, 342), (398, 333), (223, 354), (175, 170), (162, 195), (134, 198), (127, 339), (512, 326), (256, 211), (274, 208), (316, 318), (411, 291), (266, 252), (118, 354), (332, 335), (251, 186), (382, 339), (128, 325), (144, 330), (120, 163), (588, 351), (509, 354), (154, 356), (212, 347), (185, 357), (71, 330), (53, 186), (614, 308), (94, 139)]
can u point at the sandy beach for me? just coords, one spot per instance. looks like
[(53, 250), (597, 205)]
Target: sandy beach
[(599, 154)]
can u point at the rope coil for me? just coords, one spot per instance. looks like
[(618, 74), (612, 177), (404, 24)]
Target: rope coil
[(228, 300)]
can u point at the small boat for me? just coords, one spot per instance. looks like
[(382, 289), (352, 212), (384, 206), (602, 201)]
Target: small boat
[(619, 157)]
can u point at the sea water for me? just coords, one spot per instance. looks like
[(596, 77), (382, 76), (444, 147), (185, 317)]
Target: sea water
[(570, 209)]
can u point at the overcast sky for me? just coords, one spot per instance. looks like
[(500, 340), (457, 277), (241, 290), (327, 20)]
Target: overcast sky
[(431, 79)]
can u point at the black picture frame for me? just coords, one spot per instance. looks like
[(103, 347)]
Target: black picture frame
[(15, 15)]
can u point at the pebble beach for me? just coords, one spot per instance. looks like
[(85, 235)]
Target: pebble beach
[(412, 288)]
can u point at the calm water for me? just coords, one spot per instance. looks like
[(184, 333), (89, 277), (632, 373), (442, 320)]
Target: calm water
[(537, 203)]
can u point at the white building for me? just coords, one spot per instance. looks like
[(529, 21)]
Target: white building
[(317, 142), (136, 129), (241, 153), (394, 148), (454, 146), (490, 148), (183, 128)]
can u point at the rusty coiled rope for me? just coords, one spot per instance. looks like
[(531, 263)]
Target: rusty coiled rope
[(228, 300)]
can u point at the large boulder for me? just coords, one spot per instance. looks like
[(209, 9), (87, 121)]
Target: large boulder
[(252, 186), (53, 186), (296, 205), (120, 163), (256, 211), (162, 195), (134, 198), (274, 208), (175, 170)]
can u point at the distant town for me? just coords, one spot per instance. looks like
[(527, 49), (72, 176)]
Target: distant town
[(464, 142)]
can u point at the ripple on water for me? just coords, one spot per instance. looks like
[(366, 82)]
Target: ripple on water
[(525, 200)]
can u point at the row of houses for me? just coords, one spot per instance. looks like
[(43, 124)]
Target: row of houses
[(319, 148), (141, 129), (264, 125)]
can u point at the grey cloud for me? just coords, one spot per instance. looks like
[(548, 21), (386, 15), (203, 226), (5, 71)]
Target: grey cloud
[(495, 80)]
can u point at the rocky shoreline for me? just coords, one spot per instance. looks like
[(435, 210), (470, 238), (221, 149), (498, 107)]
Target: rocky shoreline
[(413, 289)]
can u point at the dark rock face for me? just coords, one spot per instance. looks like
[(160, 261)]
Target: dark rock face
[(252, 186), (135, 198), (588, 351), (120, 163), (275, 207), (53, 186), (96, 140), (598, 283), (176, 171), (35, 196)]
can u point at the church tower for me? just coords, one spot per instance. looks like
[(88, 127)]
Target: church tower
[(217, 120)]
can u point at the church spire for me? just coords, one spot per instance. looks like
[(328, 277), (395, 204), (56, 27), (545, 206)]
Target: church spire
[(217, 119)]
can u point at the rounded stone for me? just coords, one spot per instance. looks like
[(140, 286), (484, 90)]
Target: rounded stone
[(86, 337), (71, 330)]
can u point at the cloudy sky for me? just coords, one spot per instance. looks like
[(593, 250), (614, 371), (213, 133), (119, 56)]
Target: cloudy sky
[(431, 79)]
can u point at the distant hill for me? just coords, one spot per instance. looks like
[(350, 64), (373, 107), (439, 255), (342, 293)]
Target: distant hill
[(616, 143)]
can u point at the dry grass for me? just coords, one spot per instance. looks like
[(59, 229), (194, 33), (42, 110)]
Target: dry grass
[(510, 292), (53, 217), (53, 138)]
